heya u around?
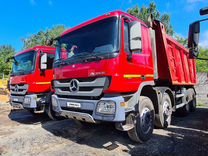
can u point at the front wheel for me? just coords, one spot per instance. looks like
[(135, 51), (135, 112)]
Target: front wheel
[(143, 121)]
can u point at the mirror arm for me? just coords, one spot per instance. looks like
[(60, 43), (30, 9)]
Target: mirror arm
[(129, 57), (204, 59), (202, 20)]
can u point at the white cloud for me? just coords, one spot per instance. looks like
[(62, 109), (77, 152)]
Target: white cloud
[(191, 4), (190, 7), (50, 2), (204, 39), (33, 2), (194, 1), (167, 5)]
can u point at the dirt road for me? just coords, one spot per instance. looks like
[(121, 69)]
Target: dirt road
[(23, 134)]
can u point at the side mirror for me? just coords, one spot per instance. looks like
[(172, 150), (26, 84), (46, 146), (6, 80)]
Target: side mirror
[(203, 11), (193, 39), (7, 60), (43, 61), (135, 36), (11, 58)]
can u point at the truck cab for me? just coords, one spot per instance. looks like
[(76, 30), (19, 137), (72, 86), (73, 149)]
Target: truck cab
[(31, 77)]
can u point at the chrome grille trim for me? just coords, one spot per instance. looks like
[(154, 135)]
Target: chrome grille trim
[(23, 89), (96, 87)]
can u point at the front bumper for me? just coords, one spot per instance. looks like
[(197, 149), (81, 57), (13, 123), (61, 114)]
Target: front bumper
[(19, 101), (16, 101), (87, 111)]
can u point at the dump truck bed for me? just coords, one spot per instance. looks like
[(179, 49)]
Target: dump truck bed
[(173, 61)]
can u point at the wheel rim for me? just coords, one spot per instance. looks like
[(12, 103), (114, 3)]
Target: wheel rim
[(146, 120), (167, 111)]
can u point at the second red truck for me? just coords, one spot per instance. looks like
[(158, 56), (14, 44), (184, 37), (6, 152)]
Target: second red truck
[(30, 81)]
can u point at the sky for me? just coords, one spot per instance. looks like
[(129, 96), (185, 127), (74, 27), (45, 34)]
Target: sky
[(20, 19)]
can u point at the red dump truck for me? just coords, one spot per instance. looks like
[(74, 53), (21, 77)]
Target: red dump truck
[(115, 68), (30, 81)]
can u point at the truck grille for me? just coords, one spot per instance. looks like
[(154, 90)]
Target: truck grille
[(18, 89), (88, 87)]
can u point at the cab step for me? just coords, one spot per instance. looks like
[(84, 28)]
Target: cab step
[(125, 127), (180, 95), (180, 105)]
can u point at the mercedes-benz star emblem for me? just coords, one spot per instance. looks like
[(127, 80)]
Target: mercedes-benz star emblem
[(73, 86), (16, 88)]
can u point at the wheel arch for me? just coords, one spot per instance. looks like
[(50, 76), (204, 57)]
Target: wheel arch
[(162, 90), (150, 92)]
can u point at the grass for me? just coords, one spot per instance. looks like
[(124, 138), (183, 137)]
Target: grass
[(201, 105)]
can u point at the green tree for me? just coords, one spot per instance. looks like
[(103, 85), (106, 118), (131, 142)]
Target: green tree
[(6, 51), (181, 40), (202, 65), (43, 37), (144, 13)]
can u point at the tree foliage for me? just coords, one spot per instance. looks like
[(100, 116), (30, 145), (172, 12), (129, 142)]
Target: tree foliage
[(202, 65), (181, 40), (43, 37), (144, 13), (6, 51)]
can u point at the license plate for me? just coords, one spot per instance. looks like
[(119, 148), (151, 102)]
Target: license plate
[(73, 104), (15, 99)]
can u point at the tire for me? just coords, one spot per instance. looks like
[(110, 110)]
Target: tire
[(143, 121), (163, 119), (192, 102)]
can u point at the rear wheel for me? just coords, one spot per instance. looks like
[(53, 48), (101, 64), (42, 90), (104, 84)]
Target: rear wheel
[(163, 119), (192, 102), (143, 121)]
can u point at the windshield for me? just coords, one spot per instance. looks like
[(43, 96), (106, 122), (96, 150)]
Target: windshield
[(97, 38), (24, 63)]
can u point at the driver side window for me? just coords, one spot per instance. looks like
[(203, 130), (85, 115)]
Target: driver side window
[(126, 37)]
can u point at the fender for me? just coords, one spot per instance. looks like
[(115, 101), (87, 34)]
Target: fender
[(160, 92), (135, 98)]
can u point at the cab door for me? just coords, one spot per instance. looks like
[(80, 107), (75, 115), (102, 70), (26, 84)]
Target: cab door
[(138, 63), (45, 75)]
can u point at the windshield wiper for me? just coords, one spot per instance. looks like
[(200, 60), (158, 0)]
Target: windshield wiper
[(79, 55), (57, 60), (75, 56), (93, 58), (18, 72)]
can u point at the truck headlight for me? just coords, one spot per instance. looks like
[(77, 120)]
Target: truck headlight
[(27, 100), (106, 107)]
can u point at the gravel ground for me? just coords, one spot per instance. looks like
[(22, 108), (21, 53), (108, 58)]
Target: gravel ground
[(24, 134)]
